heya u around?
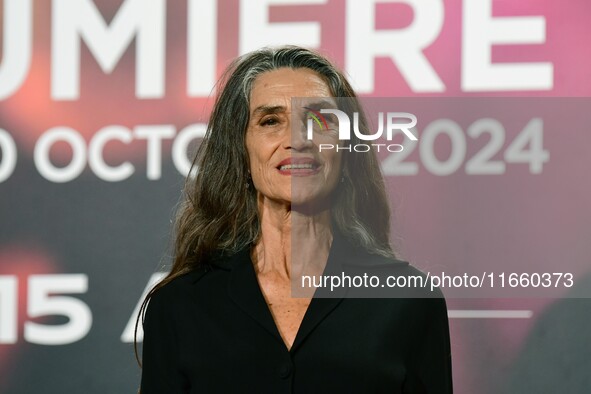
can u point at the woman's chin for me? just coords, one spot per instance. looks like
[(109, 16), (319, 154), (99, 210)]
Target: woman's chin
[(307, 203)]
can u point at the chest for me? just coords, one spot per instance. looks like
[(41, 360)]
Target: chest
[(359, 346), (287, 311)]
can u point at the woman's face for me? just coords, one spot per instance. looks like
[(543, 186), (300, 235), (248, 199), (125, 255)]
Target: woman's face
[(285, 166)]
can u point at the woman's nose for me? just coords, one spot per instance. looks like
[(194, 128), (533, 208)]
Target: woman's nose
[(297, 136)]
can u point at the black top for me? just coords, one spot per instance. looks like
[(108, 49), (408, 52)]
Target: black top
[(211, 331)]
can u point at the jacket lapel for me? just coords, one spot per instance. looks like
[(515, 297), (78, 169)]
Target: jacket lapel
[(342, 257), (324, 301), (245, 291)]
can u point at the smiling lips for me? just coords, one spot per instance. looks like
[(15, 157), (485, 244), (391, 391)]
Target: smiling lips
[(298, 166)]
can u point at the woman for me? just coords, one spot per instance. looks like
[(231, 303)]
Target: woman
[(224, 320)]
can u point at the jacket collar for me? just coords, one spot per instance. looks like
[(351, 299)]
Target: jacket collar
[(244, 289), (342, 250)]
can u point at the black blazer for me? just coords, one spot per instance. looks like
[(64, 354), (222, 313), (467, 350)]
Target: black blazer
[(211, 331)]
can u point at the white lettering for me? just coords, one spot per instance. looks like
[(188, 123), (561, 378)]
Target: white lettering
[(256, 31), (201, 47), (405, 47), (181, 143), (9, 155), (72, 20), (16, 45), (481, 31), (95, 154), (43, 147), (154, 134), (404, 127)]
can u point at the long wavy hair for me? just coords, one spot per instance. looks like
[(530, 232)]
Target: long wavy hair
[(218, 212)]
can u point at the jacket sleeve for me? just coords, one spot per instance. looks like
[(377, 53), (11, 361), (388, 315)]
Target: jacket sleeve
[(431, 363), (160, 350)]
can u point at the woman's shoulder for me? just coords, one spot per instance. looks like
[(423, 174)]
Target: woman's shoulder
[(178, 287), (395, 277), (362, 259)]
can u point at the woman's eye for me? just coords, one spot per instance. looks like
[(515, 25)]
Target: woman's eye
[(269, 121), (331, 119)]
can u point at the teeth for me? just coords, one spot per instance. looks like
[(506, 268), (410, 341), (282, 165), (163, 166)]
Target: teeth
[(296, 166)]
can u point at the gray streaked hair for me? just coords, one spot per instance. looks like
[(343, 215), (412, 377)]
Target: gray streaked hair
[(219, 213)]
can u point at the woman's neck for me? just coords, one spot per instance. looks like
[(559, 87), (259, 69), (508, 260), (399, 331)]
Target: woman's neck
[(305, 233)]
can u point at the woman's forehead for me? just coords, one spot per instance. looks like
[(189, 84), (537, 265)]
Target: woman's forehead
[(276, 88)]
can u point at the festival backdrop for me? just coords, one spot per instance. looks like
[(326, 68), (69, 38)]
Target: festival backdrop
[(104, 101)]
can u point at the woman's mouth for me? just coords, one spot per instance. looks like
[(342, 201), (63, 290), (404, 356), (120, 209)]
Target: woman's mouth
[(298, 167)]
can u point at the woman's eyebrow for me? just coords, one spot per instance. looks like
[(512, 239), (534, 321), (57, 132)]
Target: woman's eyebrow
[(317, 105), (268, 109)]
